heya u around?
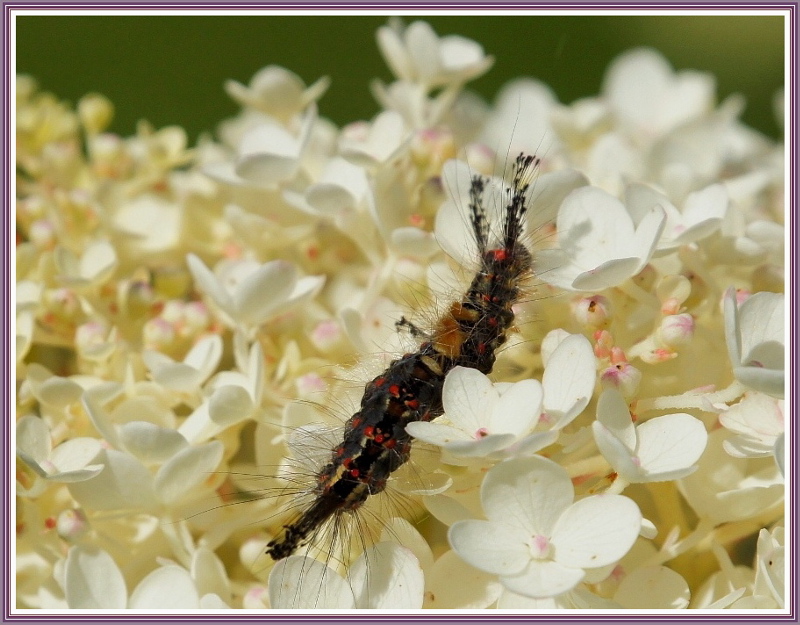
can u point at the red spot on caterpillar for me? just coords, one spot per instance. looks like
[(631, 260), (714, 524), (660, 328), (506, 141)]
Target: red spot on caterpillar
[(394, 390)]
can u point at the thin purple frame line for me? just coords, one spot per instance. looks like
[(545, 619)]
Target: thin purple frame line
[(793, 188), (6, 314), (552, 4)]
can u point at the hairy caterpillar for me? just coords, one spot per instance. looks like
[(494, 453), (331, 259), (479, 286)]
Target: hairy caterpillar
[(375, 442)]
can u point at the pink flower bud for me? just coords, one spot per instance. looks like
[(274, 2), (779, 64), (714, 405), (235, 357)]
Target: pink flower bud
[(592, 312), (624, 377), (676, 329)]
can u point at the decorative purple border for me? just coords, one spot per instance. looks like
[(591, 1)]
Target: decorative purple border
[(791, 91)]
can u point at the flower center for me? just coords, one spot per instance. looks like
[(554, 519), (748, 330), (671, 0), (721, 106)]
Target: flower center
[(540, 547), (481, 433)]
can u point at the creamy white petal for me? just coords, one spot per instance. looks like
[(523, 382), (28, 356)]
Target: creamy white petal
[(186, 470), (298, 582), (92, 580), (491, 547), (166, 588), (529, 493), (387, 576), (150, 443), (542, 579), (669, 444), (475, 589), (569, 379), (596, 531)]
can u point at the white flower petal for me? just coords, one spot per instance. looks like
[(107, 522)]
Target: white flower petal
[(543, 578), (59, 392), (469, 398), (780, 454), (264, 290), (387, 576), (150, 443), (446, 509), (208, 573), (670, 445), (207, 282), (437, 433), (400, 531), (414, 242), (606, 275), (205, 355), (186, 470), (303, 583), (489, 546), (613, 414), (98, 262), (33, 439), (529, 493), (653, 588), (475, 589), (482, 447), (596, 531), (229, 404), (123, 484), (569, 380), (518, 410), (166, 588), (75, 453), (616, 453), (93, 580)]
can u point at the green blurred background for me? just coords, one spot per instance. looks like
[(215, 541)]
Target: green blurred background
[(170, 69)]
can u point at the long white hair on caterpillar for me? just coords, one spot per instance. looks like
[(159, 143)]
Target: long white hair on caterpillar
[(484, 233)]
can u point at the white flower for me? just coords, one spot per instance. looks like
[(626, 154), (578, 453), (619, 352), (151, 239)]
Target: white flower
[(661, 449), (417, 54), (537, 540), (725, 488), (480, 417), (71, 461), (600, 244), (267, 155), (520, 119), (701, 214), (770, 566), (92, 580), (186, 377), (649, 98), (250, 293), (484, 419), (92, 268), (758, 422), (386, 576), (754, 332), (376, 143), (150, 225), (234, 397), (277, 92)]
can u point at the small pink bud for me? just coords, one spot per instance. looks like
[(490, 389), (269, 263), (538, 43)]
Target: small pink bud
[(592, 312), (158, 334), (89, 335), (676, 329), (326, 334), (72, 525), (42, 234), (624, 377)]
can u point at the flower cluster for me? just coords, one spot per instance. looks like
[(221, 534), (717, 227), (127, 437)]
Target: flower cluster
[(180, 310)]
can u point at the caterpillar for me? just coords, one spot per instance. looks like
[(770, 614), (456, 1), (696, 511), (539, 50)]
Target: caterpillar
[(375, 442)]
